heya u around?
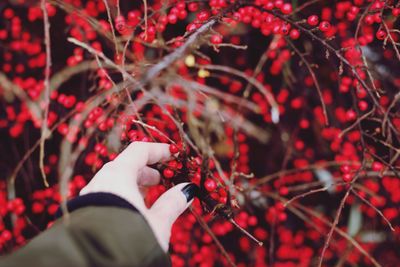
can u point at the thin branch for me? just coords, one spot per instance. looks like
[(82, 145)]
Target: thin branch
[(393, 42), (44, 130), (374, 208), (311, 192), (268, 95), (209, 231), (13, 89), (358, 121), (334, 224), (270, 177), (313, 76), (111, 25)]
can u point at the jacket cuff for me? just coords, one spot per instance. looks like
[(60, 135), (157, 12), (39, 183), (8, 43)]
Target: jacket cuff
[(98, 199)]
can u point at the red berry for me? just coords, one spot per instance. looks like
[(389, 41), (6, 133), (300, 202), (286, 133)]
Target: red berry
[(363, 105), (278, 3), (6, 235), (168, 173), (132, 16), (396, 11), (381, 34), (282, 216), (369, 19), (210, 185), (173, 164), (172, 18), (203, 15), (312, 20), (193, 6), (216, 39), (345, 168), (173, 149), (347, 177), (283, 191), (324, 26), (120, 23), (286, 9), (377, 166), (351, 115), (294, 34)]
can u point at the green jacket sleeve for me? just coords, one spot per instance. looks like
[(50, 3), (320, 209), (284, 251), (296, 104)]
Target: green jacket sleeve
[(93, 236)]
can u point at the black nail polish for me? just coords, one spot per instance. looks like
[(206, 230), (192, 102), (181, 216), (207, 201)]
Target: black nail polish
[(189, 191)]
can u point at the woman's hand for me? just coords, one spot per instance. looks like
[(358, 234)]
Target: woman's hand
[(129, 171)]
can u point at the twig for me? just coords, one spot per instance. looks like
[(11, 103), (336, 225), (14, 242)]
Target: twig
[(14, 89), (358, 121), (46, 25), (268, 95), (335, 222), (295, 207), (209, 231), (312, 73), (111, 25), (311, 192), (374, 208), (145, 18), (303, 6), (270, 177), (391, 39), (325, 44)]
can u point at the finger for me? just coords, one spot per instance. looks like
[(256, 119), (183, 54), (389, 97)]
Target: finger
[(143, 191), (148, 176), (173, 203), (167, 209), (140, 154)]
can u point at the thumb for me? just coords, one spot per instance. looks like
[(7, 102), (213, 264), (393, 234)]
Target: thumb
[(167, 209)]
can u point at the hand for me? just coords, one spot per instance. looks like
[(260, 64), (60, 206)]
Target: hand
[(128, 171)]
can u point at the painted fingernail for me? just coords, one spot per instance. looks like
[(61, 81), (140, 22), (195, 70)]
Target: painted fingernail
[(189, 191)]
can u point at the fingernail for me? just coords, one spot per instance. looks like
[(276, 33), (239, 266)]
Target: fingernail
[(189, 191)]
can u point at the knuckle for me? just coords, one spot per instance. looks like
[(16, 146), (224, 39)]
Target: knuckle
[(108, 167)]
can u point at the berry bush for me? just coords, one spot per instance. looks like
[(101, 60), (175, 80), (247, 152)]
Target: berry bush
[(284, 113)]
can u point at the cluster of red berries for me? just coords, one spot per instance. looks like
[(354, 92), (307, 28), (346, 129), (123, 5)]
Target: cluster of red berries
[(192, 170), (302, 151)]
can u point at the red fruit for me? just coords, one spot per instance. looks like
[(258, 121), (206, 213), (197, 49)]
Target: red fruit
[(294, 34), (168, 173), (173, 149), (216, 39), (172, 18), (193, 6), (133, 16), (381, 34), (203, 15), (351, 115), (6, 235), (369, 19), (210, 185), (286, 8), (312, 20), (345, 168), (347, 177), (324, 26), (283, 191), (120, 23), (363, 105), (377, 166), (285, 29), (173, 164), (282, 216)]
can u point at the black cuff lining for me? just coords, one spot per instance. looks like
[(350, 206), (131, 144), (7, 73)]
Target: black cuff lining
[(99, 199)]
